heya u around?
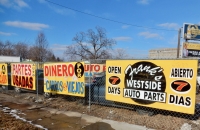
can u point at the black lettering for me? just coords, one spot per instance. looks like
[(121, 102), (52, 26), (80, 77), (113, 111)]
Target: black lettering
[(172, 73), (181, 101), (184, 73), (171, 98), (118, 91), (150, 97), (126, 93), (130, 93), (188, 101), (145, 94), (180, 72), (137, 94), (109, 90), (154, 96), (176, 73), (176, 99), (162, 97)]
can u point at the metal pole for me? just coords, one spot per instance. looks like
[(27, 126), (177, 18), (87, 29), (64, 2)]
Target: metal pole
[(37, 79), (158, 54), (179, 37), (89, 87)]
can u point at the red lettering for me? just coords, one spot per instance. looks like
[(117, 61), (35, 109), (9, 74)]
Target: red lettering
[(96, 68), (46, 70), (86, 67), (26, 84), (19, 69), (53, 70), (13, 68), (70, 70), (181, 85), (20, 81), (64, 70), (22, 69), (91, 67), (23, 81), (29, 68), (104, 68), (31, 83), (26, 70), (59, 70)]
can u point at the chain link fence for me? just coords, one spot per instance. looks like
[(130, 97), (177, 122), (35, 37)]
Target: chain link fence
[(95, 103)]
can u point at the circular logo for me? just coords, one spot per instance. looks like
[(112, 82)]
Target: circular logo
[(180, 86), (114, 80), (146, 80), (79, 69)]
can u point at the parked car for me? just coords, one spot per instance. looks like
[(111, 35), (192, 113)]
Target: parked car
[(96, 89)]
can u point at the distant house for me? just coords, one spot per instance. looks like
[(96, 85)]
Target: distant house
[(10, 59)]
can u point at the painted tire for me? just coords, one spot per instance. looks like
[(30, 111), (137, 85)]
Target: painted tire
[(47, 95), (17, 90), (3, 87)]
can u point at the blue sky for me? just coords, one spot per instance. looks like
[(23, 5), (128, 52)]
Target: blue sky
[(137, 25)]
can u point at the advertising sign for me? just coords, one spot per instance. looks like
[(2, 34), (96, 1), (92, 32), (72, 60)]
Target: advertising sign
[(91, 69), (162, 84), (3, 74), (23, 75), (64, 78), (191, 50), (191, 31)]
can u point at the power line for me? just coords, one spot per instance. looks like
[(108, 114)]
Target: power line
[(107, 18)]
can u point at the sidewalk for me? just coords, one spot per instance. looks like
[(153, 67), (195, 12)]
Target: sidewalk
[(89, 120)]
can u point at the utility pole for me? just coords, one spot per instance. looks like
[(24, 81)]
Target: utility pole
[(179, 37)]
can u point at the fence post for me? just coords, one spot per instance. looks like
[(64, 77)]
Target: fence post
[(37, 78), (178, 47), (89, 86)]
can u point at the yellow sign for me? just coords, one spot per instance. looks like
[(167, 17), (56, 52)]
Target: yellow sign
[(3, 74), (162, 84), (193, 46), (23, 75), (191, 49), (64, 78)]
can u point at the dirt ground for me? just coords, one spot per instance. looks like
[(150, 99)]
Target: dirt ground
[(8, 122), (162, 120)]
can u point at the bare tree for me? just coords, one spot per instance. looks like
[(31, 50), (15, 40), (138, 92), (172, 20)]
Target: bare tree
[(8, 49), (120, 54), (21, 49), (51, 57), (39, 50), (1, 48), (90, 45)]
